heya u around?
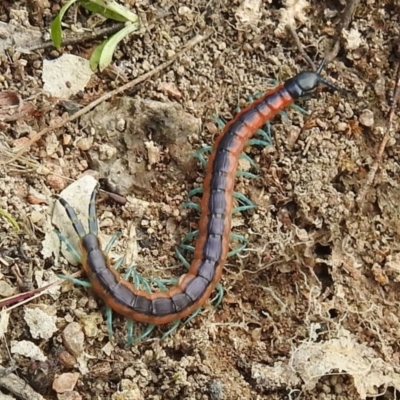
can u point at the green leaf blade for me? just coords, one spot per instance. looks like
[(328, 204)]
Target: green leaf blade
[(55, 27), (112, 43), (111, 10)]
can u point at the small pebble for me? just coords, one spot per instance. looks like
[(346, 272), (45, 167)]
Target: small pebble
[(106, 152), (90, 324), (73, 338), (129, 372), (55, 182), (247, 47), (215, 390), (66, 359), (67, 139), (36, 216), (65, 382), (121, 123), (367, 118), (69, 396), (85, 144), (341, 126), (101, 369)]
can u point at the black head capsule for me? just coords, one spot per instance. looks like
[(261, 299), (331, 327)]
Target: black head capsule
[(306, 82)]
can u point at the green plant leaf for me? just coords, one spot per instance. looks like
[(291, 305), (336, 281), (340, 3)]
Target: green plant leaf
[(55, 27), (111, 10), (95, 57), (110, 45), (10, 219)]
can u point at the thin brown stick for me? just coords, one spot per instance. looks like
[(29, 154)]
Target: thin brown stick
[(346, 19), (390, 132), (296, 39), (128, 86), (75, 39), (345, 22), (26, 297)]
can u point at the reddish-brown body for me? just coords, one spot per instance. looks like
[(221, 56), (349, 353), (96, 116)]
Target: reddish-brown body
[(212, 245)]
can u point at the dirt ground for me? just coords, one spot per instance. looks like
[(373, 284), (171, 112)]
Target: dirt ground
[(311, 305)]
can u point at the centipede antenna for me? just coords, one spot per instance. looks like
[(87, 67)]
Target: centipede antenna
[(321, 66), (92, 219), (331, 85), (324, 81)]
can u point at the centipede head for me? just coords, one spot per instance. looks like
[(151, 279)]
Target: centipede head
[(306, 82)]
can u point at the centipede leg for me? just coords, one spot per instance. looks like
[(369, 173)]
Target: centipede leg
[(301, 110), (111, 242), (246, 174), (79, 282), (247, 204), (193, 315), (118, 263), (266, 135), (182, 259), (162, 282), (241, 239), (191, 235), (258, 142), (77, 257), (109, 311), (217, 299), (69, 246), (109, 320), (146, 333), (140, 283), (173, 328), (129, 328)]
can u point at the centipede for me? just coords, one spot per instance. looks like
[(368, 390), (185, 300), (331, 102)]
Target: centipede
[(194, 287)]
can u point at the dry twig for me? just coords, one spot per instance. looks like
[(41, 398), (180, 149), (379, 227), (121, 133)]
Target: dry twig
[(26, 297), (345, 22), (389, 133), (76, 39), (346, 19), (296, 39)]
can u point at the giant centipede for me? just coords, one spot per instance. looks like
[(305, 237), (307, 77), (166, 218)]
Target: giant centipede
[(212, 245)]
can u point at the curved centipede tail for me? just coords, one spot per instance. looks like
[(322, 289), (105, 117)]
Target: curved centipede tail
[(76, 223)]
